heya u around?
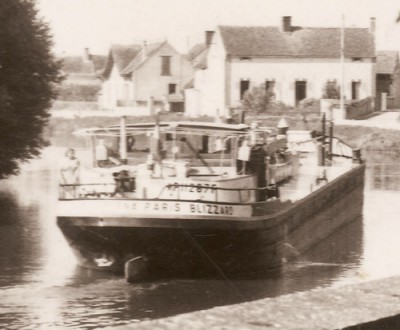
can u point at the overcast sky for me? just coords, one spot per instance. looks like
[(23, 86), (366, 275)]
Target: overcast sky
[(97, 24)]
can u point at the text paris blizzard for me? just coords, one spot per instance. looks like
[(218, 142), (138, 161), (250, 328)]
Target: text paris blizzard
[(168, 207)]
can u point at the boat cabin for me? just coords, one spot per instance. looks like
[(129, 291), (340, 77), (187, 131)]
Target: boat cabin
[(179, 161)]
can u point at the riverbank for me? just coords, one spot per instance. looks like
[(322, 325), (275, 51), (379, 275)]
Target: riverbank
[(367, 306)]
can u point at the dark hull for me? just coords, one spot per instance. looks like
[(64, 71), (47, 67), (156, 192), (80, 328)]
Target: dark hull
[(239, 249)]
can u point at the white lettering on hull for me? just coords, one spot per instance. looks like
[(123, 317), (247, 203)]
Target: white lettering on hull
[(162, 209)]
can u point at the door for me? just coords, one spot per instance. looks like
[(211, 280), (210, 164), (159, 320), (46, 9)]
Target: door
[(244, 86), (300, 91)]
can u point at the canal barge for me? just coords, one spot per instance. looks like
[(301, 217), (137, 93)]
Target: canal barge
[(194, 198)]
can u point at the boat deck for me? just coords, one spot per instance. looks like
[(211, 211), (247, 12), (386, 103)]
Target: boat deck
[(101, 184), (306, 180)]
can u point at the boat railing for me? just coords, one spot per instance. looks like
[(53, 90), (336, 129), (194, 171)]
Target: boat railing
[(269, 191), (107, 190), (76, 190)]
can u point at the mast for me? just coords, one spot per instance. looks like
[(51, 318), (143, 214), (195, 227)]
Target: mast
[(342, 88)]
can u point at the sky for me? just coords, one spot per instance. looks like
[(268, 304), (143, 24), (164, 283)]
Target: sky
[(96, 24)]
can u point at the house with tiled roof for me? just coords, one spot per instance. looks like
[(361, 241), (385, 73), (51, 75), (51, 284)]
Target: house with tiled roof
[(294, 62), (82, 70), (81, 81), (387, 80), (136, 76)]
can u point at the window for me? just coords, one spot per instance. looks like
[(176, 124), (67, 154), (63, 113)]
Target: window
[(270, 85), (355, 90), (245, 59), (357, 59), (300, 90), (171, 89), (244, 86), (165, 65)]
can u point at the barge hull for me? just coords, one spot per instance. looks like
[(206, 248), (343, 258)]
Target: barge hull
[(213, 247)]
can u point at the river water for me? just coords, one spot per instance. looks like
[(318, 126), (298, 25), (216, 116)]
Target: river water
[(41, 287)]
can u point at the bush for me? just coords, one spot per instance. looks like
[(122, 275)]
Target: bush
[(257, 99), (331, 90), (71, 92)]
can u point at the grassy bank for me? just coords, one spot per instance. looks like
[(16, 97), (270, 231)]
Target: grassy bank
[(370, 138), (59, 130)]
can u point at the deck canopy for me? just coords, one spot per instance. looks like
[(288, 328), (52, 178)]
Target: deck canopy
[(192, 128)]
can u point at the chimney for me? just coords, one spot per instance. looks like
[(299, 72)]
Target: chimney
[(287, 24), (372, 25), (209, 37), (144, 50), (86, 54)]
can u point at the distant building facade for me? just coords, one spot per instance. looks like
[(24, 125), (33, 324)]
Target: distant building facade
[(138, 74), (81, 81), (294, 62), (387, 80)]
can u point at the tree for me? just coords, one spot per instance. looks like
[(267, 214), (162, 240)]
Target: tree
[(28, 74), (257, 99)]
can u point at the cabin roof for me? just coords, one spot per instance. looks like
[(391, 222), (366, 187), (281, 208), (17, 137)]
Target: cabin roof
[(204, 128)]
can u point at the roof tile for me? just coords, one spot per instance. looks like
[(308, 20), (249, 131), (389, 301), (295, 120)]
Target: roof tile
[(386, 62), (301, 42), (123, 55), (138, 59)]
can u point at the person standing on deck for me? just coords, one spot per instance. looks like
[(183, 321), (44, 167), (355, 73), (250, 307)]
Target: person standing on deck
[(101, 154), (69, 171)]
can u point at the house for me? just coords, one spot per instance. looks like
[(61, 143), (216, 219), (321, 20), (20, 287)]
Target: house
[(387, 80), (138, 76), (81, 82), (194, 90), (294, 62), (82, 70)]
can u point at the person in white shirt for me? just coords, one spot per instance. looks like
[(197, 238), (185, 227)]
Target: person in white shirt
[(69, 172)]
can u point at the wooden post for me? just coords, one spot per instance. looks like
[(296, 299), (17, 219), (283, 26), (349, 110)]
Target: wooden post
[(330, 139), (323, 139), (383, 101), (93, 147), (122, 142)]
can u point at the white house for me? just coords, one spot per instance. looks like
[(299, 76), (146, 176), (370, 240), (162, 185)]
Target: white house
[(135, 74), (295, 62)]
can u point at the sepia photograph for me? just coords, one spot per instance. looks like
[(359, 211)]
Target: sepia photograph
[(200, 164)]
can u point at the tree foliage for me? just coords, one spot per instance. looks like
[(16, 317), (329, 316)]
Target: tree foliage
[(331, 90), (28, 74), (257, 99)]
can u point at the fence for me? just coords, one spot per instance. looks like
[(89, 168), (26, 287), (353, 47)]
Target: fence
[(360, 109)]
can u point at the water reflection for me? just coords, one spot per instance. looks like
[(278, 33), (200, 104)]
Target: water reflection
[(383, 171), (41, 286)]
